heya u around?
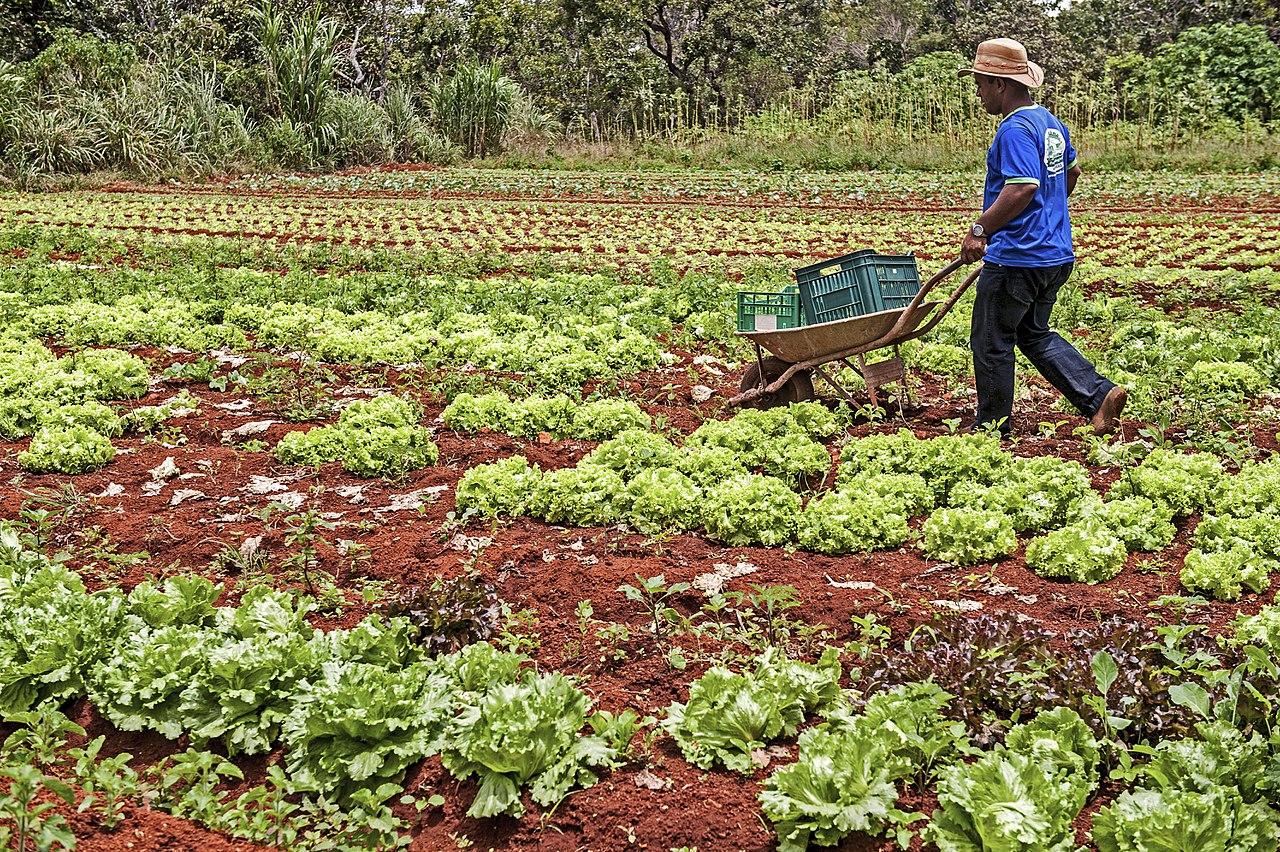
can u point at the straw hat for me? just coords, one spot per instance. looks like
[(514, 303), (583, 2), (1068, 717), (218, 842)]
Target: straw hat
[(1004, 57)]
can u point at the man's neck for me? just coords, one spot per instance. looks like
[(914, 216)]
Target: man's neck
[(1013, 106)]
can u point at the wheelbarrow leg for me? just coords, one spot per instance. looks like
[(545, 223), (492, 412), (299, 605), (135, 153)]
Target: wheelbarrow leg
[(760, 366), (839, 388), (871, 383)]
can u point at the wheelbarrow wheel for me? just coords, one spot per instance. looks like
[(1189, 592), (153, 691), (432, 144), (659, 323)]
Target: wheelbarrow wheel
[(799, 388)]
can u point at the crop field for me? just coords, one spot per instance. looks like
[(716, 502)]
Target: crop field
[(405, 509)]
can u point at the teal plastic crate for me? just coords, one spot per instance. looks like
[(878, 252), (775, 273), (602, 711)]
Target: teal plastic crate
[(770, 311), (860, 283)]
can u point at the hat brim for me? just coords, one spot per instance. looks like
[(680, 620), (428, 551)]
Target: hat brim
[(1032, 79)]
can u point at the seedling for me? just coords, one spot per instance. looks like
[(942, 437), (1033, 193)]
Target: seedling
[(652, 593)]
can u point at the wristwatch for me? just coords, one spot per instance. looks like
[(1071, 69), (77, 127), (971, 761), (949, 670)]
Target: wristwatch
[(978, 231)]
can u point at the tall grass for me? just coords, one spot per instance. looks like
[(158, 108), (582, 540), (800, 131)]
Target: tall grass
[(472, 107)]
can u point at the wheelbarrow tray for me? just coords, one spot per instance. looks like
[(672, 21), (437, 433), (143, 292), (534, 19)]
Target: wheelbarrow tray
[(810, 342)]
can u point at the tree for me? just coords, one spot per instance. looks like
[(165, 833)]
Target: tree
[(707, 45)]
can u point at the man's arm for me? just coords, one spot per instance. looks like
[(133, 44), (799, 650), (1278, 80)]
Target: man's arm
[(1073, 175), (1011, 201)]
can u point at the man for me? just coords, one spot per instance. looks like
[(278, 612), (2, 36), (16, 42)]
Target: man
[(1024, 238)]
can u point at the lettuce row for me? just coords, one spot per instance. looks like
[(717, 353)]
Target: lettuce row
[(354, 708), (59, 402), (558, 416)]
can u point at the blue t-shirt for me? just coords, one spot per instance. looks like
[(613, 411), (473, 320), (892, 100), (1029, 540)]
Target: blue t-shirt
[(1031, 146)]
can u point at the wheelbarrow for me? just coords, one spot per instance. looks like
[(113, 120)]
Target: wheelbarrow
[(797, 354)]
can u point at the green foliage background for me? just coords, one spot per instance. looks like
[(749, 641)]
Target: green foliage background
[(175, 87)]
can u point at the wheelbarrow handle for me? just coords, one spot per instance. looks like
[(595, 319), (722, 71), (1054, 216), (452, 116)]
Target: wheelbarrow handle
[(942, 275), (923, 293), (944, 309)]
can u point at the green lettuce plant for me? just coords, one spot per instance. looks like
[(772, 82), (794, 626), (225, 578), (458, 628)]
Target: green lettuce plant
[(968, 536), (1023, 795), (601, 419), (662, 499), (728, 716), (842, 783), (1037, 494), (1218, 380), (1261, 629), (498, 489), (631, 452), (54, 632), (1255, 489), (1142, 524), (1199, 792), (375, 437), (181, 600), (1147, 820), (844, 779), (140, 684), (708, 466), (1259, 533), (1184, 482), (841, 522), (909, 490), (525, 733), (750, 509), (388, 451), (66, 449), (1225, 574), (796, 458), (361, 725), (587, 495), (1085, 552)]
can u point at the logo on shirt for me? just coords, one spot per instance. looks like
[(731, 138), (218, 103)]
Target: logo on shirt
[(1055, 152)]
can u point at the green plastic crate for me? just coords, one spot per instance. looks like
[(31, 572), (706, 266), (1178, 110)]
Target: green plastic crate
[(770, 311), (860, 283)]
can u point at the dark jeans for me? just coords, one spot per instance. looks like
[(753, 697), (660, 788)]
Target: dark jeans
[(1013, 307)]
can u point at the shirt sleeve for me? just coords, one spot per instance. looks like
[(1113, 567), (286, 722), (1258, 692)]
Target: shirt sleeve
[(1073, 159), (1020, 158)]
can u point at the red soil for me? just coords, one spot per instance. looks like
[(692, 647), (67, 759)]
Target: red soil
[(550, 570)]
